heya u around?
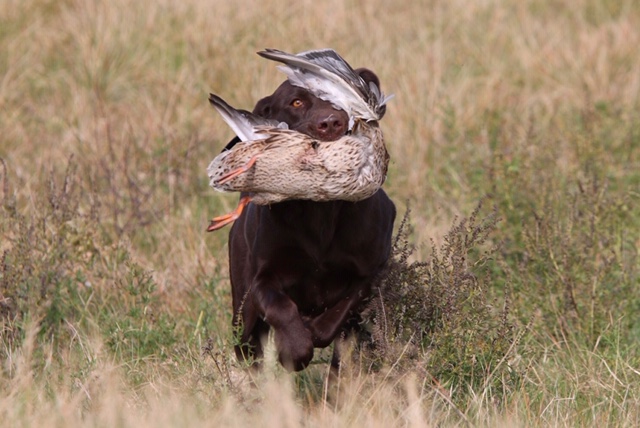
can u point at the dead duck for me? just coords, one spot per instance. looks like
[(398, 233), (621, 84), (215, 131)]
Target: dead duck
[(273, 163)]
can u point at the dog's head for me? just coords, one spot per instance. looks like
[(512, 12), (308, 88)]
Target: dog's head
[(306, 113)]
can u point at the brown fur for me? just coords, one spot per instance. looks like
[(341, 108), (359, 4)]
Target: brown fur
[(304, 268)]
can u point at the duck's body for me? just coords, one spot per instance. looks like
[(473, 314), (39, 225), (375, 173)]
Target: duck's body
[(273, 164), (291, 165)]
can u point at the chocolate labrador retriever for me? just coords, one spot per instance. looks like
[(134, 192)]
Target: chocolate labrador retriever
[(304, 268)]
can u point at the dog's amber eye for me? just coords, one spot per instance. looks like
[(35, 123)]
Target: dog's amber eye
[(296, 103)]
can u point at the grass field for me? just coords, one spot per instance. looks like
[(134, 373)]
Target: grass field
[(514, 135)]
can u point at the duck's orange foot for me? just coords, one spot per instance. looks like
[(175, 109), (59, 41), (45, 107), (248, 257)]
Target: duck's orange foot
[(223, 220), (236, 172)]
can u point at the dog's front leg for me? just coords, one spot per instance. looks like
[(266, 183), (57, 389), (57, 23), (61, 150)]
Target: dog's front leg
[(293, 340)]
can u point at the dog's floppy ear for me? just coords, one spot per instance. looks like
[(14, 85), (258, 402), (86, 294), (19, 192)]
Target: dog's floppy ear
[(263, 107), (369, 76)]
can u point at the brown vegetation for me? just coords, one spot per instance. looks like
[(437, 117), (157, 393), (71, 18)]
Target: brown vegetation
[(520, 313)]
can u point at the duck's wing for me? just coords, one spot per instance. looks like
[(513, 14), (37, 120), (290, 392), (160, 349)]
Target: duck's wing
[(329, 77), (246, 125)]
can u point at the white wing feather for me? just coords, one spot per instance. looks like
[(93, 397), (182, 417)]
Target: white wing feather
[(246, 125)]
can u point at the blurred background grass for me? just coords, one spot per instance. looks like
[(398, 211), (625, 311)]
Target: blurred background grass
[(115, 304)]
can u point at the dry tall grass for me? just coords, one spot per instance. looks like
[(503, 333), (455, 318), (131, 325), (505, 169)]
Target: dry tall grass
[(106, 135)]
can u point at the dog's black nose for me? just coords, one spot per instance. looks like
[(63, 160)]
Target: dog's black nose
[(331, 128)]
